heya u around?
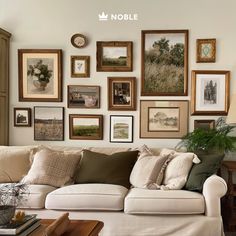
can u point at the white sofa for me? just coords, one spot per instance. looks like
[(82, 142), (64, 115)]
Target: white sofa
[(132, 211)]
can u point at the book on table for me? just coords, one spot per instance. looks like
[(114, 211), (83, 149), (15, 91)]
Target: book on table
[(15, 228)]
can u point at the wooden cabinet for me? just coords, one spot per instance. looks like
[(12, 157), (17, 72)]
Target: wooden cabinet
[(4, 86)]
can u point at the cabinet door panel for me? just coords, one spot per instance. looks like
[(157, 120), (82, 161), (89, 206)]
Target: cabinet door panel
[(4, 122), (3, 64)]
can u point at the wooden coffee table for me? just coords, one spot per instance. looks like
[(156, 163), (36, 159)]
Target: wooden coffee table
[(76, 228)]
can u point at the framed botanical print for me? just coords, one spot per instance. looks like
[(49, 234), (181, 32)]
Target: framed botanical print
[(83, 96), (206, 50), (204, 124), (22, 117), (86, 127), (80, 66), (164, 67), (121, 93), (115, 56), (48, 123), (163, 119), (210, 92), (40, 75), (121, 129)]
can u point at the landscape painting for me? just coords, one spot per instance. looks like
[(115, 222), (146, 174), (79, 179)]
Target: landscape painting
[(114, 56), (163, 119), (164, 62), (86, 127), (83, 96), (121, 129), (49, 123)]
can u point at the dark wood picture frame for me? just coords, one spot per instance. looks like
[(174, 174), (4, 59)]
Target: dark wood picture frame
[(99, 135), (151, 70), (49, 124), (115, 95), (31, 59), (79, 40), (82, 99), (198, 94), (86, 66), (204, 124), (200, 50), (127, 132), (21, 120), (125, 61)]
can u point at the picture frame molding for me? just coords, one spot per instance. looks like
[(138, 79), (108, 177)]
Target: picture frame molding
[(29, 113), (86, 59), (210, 122), (199, 42)]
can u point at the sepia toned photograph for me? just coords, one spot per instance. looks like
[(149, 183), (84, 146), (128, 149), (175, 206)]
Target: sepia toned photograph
[(206, 50), (83, 96), (86, 126), (163, 119), (49, 123), (80, 66), (22, 117), (40, 75), (114, 56), (121, 93), (164, 62), (121, 129), (210, 91)]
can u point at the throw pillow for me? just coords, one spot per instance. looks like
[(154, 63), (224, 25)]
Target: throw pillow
[(143, 150), (55, 168), (177, 170), (210, 163), (108, 169), (148, 171)]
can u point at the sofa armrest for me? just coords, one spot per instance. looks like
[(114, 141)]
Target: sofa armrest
[(213, 189)]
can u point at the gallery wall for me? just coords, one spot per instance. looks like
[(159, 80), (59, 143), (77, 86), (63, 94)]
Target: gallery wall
[(50, 24)]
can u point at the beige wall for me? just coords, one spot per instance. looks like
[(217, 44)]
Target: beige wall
[(51, 23)]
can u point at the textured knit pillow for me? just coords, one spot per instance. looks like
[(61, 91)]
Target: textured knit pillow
[(108, 169), (177, 170), (55, 168), (148, 171)]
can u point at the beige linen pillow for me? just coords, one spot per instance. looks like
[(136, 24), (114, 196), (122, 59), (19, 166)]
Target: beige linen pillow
[(148, 171), (143, 150), (177, 170), (55, 168)]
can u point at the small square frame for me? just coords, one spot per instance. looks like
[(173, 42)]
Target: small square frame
[(19, 121), (206, 50), (82, 65)]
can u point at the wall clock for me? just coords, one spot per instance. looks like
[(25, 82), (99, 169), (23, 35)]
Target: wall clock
[(79, 40)]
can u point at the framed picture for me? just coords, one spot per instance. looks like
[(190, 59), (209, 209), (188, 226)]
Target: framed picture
[(49, 123), (87, 127), (40, 75), (164, 67), (80, 66), (204, 124), (83, 96), (121, 129), (163, 119), (210, 92), (22, 117), (206, 50), (115, 56), (121, 93)]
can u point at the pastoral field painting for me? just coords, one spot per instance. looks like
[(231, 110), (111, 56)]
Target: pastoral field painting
[(114, 56), (163, 119), (49, 123), (164, 63), (85, 126)]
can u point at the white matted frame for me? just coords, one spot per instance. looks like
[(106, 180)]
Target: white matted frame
[(210, 92)]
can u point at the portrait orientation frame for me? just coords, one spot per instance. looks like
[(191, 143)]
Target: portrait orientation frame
[(24, 121), (40, 75), (206, 50), (123, 131), (98, 135), (164, 63), (210, 92), (163, 119), (110, 62), (84, 70)]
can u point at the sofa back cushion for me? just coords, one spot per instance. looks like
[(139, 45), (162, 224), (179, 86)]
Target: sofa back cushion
[(108, 169)]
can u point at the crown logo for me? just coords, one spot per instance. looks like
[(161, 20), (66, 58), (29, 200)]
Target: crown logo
[(103, 16)]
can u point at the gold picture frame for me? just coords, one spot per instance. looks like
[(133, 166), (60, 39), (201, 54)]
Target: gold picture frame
[(80, 66), (206, 50)]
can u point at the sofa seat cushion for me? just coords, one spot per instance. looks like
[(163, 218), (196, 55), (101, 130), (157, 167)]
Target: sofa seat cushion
[(145, 201), (106, 197), (36, 197)]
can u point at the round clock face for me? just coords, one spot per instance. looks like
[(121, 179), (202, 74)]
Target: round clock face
[(78, 40)]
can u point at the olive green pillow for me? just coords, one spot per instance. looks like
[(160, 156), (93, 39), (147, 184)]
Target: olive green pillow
[(108, 169), (209, 165)]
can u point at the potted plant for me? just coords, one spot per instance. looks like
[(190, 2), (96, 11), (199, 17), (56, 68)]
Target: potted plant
[(10, 196)]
